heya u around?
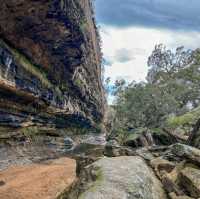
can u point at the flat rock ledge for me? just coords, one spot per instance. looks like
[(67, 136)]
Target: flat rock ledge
[(47, 180)]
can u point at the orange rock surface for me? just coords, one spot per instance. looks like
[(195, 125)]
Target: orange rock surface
[(38, 181)]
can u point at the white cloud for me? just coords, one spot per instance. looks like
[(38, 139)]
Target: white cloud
[(123, 55), (138, 43)]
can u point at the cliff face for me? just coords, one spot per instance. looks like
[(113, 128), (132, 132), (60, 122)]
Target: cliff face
[(50, 61)]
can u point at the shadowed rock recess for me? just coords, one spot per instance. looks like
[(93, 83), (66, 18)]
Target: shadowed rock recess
[(50, 64)]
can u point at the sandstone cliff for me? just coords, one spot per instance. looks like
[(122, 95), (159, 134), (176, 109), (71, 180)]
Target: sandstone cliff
[(50, 63)]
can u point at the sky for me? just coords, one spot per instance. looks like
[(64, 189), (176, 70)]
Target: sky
[(131, 28)]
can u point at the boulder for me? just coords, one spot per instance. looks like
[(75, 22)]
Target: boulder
[(145, 154), (139, 138), (187, 152), (113, 149), (190, 180), (69, 143), (161, 165), (120, 177), (162, 137), (143, 137), (170, 186)]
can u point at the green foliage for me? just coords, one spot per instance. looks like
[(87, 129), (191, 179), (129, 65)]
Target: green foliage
[(166, 99), (143, 105), (187, 119), (164, 62)]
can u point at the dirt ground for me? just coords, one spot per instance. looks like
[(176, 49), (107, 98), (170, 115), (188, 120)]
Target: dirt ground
[(37, 181)]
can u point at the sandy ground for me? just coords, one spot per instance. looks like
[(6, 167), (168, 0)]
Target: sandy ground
[(37, 181)]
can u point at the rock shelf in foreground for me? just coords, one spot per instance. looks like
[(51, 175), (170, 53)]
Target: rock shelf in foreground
[(38, 181)]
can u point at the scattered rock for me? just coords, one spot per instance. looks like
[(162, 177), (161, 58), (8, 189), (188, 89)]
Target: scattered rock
[(145, 154), (113, 149), (162, 137), (161, 165), (85, 149), (139, 138), (190, 180), (187, 152), (143, 137), (69, 143), (170, 186), (94, 139)]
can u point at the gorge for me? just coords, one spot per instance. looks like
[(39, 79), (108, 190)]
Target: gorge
[(54, 140)]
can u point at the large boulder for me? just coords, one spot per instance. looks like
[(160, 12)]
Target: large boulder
[(187, 152), (120, 177), (140, 137), (143, 137)]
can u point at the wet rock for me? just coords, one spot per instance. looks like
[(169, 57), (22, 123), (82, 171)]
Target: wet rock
[(85, 149), (93, 139), (69, 143), (120, 177), (190, 180), (113, 143)]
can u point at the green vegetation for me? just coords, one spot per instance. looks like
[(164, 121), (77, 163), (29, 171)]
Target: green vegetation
[(169, 98), (187, 119)]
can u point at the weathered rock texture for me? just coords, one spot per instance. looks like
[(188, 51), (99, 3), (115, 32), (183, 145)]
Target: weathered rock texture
[(38, 181), (117, 178), (50, 61)]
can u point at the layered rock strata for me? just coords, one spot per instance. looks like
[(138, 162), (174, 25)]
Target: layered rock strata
[(50, 64)]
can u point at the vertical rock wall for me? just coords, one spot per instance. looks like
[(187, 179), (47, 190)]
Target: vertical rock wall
[(50, 63)]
